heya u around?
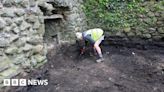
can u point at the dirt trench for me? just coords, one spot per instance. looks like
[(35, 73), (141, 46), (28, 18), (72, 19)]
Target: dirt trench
[(124, 70)]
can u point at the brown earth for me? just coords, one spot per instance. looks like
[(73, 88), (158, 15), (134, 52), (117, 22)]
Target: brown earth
[(124, 70)]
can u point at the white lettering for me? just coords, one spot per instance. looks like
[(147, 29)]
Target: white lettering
[(6, 82), (30, 82), (46, 82), (22, 82), (40, 82), (14, 82)]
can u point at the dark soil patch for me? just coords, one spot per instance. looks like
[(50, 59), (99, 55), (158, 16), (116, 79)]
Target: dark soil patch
[(124, 70)]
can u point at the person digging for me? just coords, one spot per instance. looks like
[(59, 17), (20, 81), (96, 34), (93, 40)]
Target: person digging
[(94, 37)]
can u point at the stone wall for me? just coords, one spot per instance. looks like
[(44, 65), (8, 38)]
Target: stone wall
[(22, 31), (145, 25), (74, 19), (150, 23), (21, 37), (143, 19)]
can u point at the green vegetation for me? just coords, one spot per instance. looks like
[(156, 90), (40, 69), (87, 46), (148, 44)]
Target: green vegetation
[(120, 14)]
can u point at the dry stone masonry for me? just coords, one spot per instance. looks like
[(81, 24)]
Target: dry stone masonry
[(73, 19), (21, 36), (22, 31), (154, 25)]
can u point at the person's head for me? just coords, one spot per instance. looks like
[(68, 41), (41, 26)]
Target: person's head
[(79, 35)]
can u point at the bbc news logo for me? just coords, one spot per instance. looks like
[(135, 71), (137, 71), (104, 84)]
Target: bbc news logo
[(24, 82)]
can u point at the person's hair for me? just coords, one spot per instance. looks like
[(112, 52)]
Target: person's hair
[(78, 35)]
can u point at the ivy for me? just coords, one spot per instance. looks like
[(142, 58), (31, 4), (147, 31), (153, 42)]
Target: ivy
[(113, 13)]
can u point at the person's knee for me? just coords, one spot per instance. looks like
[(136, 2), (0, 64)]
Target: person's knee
[(96, 45)]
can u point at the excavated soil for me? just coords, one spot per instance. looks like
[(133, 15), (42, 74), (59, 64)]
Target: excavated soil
[(124, 70)]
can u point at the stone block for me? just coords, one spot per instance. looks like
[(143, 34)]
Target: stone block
[(4, 67), (16, 30), (20, 12), (147, 20), (24, 3), (161, 30), (13, 38), (159, 23), (21, 41), (18, 59), (152, 29), (31, 18), (8, 3), (4, 42), (147, 35), (8, 12), (2, 23), (1, 51), (39, 58), (24, 26), (156, 37), (130, 34), (4, 63), (41, 64), (41, 20), (32, 3), (11, 72), (13, 25), (38, 49), (7, 29), (27, 47), (41, 30), (26, 64), (11, 50), (47, 6), (160, 19), (1, 81), (18, 1), (126, 30), (157, 14), (33, 61), (120, 34), (34, 11), (151, 14), (18, 20), (8, 21), (29, 32), (35, 40), (36, 25), (4, 58)]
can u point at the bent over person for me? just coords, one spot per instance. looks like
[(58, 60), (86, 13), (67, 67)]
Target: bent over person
[(94, 37)]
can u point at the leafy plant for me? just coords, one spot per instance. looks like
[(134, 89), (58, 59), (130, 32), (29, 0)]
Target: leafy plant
[(114, 13)]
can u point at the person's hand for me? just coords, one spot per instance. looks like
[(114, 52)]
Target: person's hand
[(82, 50)]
